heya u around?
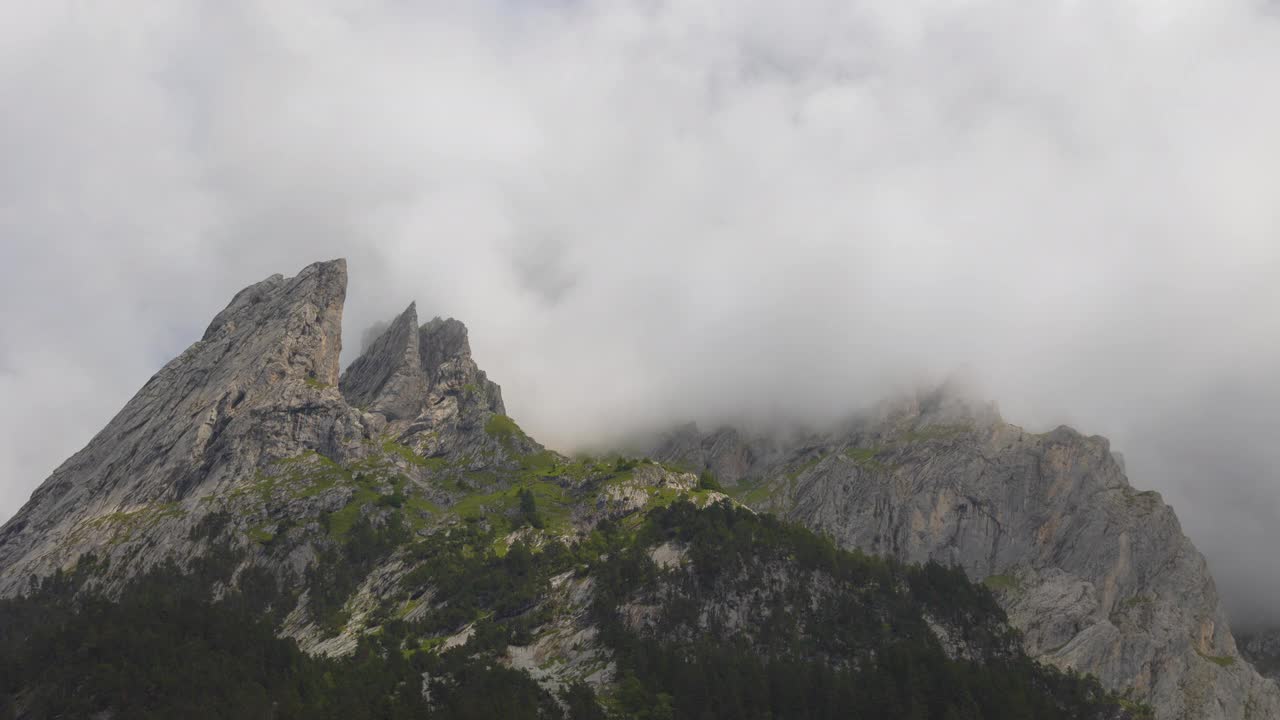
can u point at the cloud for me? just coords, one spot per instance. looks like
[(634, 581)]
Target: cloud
[(651, 211)]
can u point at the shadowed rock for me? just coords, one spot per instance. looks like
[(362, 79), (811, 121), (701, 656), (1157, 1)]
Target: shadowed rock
[(422, 387), (727, 452), (446, 357), (387, 378)]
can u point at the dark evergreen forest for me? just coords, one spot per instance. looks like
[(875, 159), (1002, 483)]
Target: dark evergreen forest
[(191, 644)]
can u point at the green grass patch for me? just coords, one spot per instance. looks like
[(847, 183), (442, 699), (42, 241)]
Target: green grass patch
[(418, 512), (260, 534), (1136, 601), (554, 505), (125, 524), (1002, 583), (804, 467), (504, 429), (865, 457), (422, 505), (1220, 660), (544, 463), (408, 607), (339, 522), (316, 383), (479, 505), (753, 494), (406, 453), (666, 496), (303, 476), (473, 480)]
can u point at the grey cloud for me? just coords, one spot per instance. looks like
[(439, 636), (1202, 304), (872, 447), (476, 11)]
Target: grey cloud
[(649, 212)]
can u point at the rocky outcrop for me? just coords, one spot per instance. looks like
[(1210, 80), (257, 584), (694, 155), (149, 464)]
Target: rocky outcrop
[(387, 379), (421, 385), (261, 384), (1098, 576), (257, 404), (727, 452), (446, 356)]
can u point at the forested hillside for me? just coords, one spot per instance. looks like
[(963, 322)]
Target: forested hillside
[(739, 616)]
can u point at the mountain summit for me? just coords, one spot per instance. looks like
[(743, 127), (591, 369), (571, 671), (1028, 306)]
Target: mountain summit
[(260, 385), (392, 523)]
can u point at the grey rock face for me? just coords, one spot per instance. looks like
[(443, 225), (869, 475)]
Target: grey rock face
[(387, 379), (423, 387), (1098, 576), (241, 406), (446, 356), (260, 385), (726, 452)]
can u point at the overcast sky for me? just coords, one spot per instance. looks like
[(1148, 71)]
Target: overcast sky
[(654, 211)]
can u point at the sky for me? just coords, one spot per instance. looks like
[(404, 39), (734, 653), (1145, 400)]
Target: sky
[(649, 212)]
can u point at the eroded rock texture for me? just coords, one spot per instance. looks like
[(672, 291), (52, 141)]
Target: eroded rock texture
[(1098, 576), (260, 385), (259, 389), (421, 385)]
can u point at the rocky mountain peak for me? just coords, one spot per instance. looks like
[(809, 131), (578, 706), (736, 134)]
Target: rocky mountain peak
[(251, 437), (258, 386), (306, 308), (421, 385), (443, 340), (446, 357), (388, 378)]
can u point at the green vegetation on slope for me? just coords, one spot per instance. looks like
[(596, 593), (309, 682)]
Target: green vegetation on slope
[(817, 632), (860, 648), (164, 649)]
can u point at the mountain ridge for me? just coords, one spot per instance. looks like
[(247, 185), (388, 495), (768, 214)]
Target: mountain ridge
[(253, 442), (1098, 576)]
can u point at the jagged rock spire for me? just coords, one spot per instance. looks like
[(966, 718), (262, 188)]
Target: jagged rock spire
[(388, 379), (261, 385), (291, 327), (408, 369), (446, 357)]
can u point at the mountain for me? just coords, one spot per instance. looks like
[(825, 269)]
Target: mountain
[(1096, 575), (256, 534)]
